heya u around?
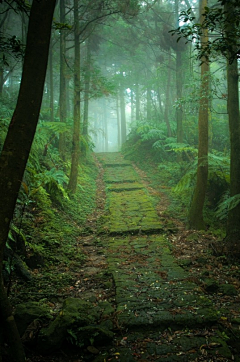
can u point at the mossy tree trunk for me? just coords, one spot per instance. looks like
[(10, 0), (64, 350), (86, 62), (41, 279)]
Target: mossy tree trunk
[(233, 224), (196, 220), (18, 142), (73, 179)]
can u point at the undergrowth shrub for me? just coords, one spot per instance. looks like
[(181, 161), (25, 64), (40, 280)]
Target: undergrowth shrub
[(175, 165)]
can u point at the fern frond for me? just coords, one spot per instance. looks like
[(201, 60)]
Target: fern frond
[(227, 204)]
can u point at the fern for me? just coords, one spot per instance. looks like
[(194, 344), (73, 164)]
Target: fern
[(180, 148), (56, 127), (187, 180), (226, 204), (152, 134), (219, 164)]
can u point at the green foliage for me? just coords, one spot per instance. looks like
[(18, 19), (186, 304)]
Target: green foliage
[(226, 204), (10, 46), (217, 21)]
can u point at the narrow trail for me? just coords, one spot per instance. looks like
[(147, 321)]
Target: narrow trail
[(161, 315)]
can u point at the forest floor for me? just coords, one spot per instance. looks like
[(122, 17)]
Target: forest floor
[(171, 292)]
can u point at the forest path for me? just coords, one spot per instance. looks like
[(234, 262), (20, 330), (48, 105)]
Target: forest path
[(152, 292)]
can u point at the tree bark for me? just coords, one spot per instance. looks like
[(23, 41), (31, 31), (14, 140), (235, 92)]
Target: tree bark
[(137, 100), (123, 114), (233, 223), (105, 124), (87, 78), (167, 99), (149, 102), (16, 149), (179, 112), (196, 220), (118, 123), (51, 99), (72, 185), (63, 93)]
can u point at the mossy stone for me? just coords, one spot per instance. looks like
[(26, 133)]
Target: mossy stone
[(94, 334), (27, 312), (74, 312)]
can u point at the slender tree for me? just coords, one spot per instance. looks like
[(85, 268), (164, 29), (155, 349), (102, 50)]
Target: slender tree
[(179, 83), (87, 78), (18, 143), (233, 224), (122, 110), (72, 185), (196, 210), (63, 92)]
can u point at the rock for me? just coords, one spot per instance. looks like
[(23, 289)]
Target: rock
[(94, 335), (26, 313), (75, 314)]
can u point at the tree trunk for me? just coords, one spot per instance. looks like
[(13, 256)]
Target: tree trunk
[(167, 103), (233, 224), (1, 80), (51, 100), (137, 101), (196, 210), (132, 105), (118, 124), (63, 93), (123, 113), (149, 102), (179, 112), (72, 185), (105, 124), (87, 77), (18, 143)]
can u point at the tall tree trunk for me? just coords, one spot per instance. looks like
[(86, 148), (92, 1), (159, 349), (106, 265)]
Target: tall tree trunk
[(137, 101), (179, 113), (167, 103), (18, 143), (72, 185), (87, 77), (233, 224), (196, 210), (149, 102), (118, 124), (62, 94), (51, 101), (1, 80), (132, 105), (123, 115), (105, 123)]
